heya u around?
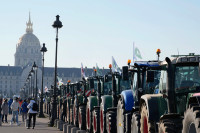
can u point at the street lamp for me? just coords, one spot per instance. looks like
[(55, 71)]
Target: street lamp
[(32, 82), (29, 77), (43, 50), (35, 67), (57, 24)]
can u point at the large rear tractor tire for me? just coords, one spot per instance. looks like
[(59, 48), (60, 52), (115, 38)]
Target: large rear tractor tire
[(146, 125), (96, 124), (172, 125), (191, 121), (75, 115), (111, 121), (82, 117), (88, 118), (71, 114), (120, 116), (68, 111), (135, 123), (102, 120)]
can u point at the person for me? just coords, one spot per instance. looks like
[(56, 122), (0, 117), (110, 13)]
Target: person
[(9, 106), (20, 104), (32, 113), (24, 110), (14, 107), (4, 107)]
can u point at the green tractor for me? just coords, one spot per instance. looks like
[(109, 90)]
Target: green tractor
[(93, 103), (176, 109), (109, 101), (140, 75)]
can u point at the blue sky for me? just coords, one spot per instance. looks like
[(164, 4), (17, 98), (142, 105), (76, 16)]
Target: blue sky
[(95, 30)]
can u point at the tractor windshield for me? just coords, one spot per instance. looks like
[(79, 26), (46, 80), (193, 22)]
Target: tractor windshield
[(153, 87), (107, 88), (187, 78)]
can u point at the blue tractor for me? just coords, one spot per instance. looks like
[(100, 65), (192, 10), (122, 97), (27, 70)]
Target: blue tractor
[(144, 76)]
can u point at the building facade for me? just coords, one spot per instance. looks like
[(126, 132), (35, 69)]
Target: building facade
[(14, 78)]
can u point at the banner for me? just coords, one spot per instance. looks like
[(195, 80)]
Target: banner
[(59, 81), (115, 67), (99, 72), (136, 53), (82, 72)]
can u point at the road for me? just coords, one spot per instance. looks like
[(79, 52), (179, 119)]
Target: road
[(40, 127)]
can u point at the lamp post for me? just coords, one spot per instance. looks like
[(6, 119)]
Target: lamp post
[(35, 67), (29, 76), (32, 82), (43, 50), (57, 24)]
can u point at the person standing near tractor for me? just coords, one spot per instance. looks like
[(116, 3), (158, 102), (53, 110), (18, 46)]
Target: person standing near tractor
[(24, 110), (33, 108), (15, 106), (4, 107)]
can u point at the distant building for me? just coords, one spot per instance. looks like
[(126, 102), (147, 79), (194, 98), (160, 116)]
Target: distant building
[(13, 78)]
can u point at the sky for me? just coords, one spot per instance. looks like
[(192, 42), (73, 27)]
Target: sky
[(95, 30)]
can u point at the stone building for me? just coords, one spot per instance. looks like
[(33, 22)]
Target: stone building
[(13, 78)]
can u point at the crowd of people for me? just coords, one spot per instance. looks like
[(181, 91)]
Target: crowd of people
[(18, 107)]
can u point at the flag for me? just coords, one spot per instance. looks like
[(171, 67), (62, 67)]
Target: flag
[(59, 81), (46, 89), (82, 72), (99, 72), (115, 67), (136, 53)]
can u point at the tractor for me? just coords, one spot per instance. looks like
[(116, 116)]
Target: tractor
[(93, 103), (144, 76), (176, 108), (109, 101)]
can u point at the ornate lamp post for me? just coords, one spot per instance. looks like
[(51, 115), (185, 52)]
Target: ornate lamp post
[(35, 67), (43, 50), (32, 82), (57, 24)]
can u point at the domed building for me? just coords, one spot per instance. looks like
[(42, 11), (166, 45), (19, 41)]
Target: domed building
[(13, 79), (28, 48)]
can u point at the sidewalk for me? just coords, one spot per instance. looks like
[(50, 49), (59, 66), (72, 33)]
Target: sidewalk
[(40, 127)]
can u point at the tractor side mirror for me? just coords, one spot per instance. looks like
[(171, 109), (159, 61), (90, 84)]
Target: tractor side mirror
[(91, 83), (125, 72), (150, 76)]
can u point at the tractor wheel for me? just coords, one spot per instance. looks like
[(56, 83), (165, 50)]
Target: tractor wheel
[(111, 122), (82, 117), (71, 114), (146, 125), (102, 120), (68, 112), (88, 118), (120, 116), (75, 115), (135, 123), (170, 126), (96, 124), (191, 120)]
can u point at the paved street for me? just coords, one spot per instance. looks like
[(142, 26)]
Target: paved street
[(40, 127)]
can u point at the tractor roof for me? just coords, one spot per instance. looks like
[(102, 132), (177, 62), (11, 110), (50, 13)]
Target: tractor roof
[(181, 59), (147, 63)]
